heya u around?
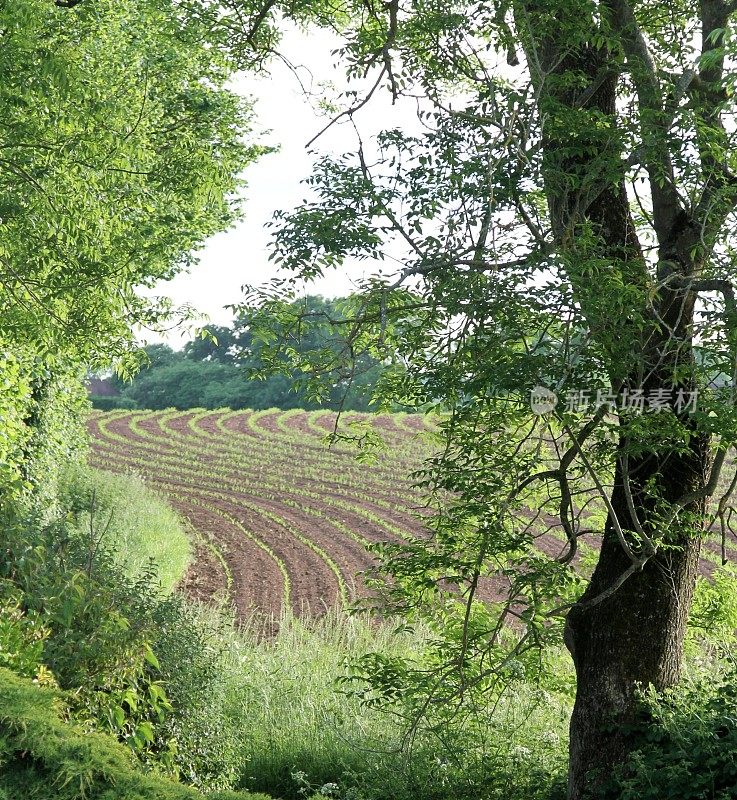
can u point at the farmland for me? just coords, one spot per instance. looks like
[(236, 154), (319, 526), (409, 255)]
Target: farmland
[(278, 519)]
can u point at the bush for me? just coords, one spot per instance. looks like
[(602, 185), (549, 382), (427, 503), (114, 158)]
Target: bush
[(205, 687), (100, 628), (104, 403), (134, 662), (22, 638), (44, 758), (685, 744), (713, 614)]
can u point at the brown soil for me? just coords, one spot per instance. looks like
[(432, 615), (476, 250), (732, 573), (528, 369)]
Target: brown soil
[(257, 581), (122, 427)]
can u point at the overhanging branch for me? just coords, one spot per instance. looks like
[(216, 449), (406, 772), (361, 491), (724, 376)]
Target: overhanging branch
[(653, 122)]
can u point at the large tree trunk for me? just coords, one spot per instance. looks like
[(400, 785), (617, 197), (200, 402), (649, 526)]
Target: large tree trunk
[(635, 636)]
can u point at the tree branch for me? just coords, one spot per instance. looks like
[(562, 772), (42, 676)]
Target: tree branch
[(720, 186), (654, 127), (349, 112), (393, 8), (259, 21)]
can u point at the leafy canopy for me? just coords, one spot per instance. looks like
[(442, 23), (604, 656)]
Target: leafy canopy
[(121, 151), (563, 218), (121, 154)]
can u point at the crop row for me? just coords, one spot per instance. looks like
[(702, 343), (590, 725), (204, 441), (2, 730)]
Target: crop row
[(280, 518)]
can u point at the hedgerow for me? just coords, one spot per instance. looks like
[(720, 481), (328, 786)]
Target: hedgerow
[(43, 757), (131, 661)]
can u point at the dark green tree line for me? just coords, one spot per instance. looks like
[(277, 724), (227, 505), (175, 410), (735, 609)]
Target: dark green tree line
[(225, 369)]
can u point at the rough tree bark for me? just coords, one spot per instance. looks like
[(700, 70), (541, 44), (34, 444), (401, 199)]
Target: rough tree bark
[(633, 636), (628, 628)]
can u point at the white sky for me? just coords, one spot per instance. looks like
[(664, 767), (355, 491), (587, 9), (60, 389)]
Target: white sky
[(288, 119)]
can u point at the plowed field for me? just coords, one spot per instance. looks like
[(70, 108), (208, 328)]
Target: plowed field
[(279, 520)]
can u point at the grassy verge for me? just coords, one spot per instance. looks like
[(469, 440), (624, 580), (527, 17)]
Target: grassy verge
[(132, 520), (303, 736), (43, 757)]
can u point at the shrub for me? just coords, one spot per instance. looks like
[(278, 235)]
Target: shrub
[(22, 638), (134, 662), (104, 403), (44, 758), (713, 613), (685, 743), (205, 688), (100, 628)]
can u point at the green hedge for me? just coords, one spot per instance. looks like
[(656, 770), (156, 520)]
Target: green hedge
[(104, 403), (44, 758)]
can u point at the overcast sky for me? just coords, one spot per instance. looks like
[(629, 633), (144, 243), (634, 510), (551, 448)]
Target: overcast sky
[(287, 119)]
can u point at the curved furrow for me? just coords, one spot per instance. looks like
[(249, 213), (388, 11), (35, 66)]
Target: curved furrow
[(312, 571), (261, 577), (208, 577), (484, 590), (291, 469), (391, 521), (550, 543), (276, 529), (258, 443), (297, 510), (255, 578), (234, 551), (306, 429), (283, 520), (121, 430)]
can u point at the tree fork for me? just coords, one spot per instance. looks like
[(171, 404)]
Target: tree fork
[(634, 635)]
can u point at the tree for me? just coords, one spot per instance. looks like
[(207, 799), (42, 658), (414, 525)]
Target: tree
[(221, 344), (322, 363), (565, 218), (182, 384), (121, 152), (121, 156), (224, 368)]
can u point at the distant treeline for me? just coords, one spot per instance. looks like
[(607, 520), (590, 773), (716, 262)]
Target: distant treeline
[(217, 371)]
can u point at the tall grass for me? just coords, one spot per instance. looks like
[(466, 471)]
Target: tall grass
[(130, 519), (302, 735), (267, 712)]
